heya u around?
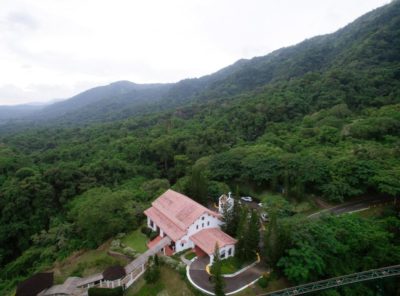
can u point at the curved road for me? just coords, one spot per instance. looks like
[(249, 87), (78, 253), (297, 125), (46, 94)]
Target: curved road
[(199, 275), (354, 206)]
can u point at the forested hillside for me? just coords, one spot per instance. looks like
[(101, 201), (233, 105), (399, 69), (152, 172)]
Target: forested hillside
[(321, 118)]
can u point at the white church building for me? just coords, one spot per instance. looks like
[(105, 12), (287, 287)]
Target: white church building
[(189, 225)]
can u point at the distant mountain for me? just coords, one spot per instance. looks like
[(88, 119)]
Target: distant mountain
[(17, 111), (364, 45), (99, 102)]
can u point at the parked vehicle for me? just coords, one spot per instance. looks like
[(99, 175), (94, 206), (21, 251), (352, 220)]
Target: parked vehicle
[(247, 198), (260, 204)]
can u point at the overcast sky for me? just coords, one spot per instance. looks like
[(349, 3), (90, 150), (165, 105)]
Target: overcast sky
[(56, 48)]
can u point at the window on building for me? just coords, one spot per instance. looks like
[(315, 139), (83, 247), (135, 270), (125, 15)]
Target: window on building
[(230, 252), (208, 223), (223, 255), (202, 225), (202, 218), (197, 226), (182, 244)]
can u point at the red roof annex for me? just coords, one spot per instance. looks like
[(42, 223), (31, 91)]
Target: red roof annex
[(207, 238)]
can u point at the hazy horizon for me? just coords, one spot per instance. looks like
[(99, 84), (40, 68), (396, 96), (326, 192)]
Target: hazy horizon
[(57, 49)]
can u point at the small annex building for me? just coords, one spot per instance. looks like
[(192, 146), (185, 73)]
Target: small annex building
[(189, 225)]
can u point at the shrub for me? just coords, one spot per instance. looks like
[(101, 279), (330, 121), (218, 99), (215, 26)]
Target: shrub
[(170, 262), (145, 230), (182, 272), (115, 245), (120, 235), (263, 282), (153, 235), (152, 274), (128, 251)]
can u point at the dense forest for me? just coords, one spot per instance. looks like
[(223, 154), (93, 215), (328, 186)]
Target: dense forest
[(321, 118)]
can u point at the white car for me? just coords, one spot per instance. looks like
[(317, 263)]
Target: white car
[(246, 198)]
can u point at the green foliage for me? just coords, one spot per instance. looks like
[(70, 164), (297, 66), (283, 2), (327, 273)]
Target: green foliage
[(100, 206), (272, 250), (197, 186), (155, 187), (231, 265), (331, 247), (248, 235), (152, 273), (231, 218), (217, 274), (263, 282), (252, 237)]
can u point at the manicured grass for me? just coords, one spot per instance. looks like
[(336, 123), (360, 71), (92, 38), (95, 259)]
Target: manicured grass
[(190, 255), (149, 289), (231, 265), (136, 240), (170, 283)]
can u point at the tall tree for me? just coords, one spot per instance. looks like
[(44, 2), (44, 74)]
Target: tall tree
[(198, 186), (252, 236), (217, 275), (271, 250), (231, 218), (241, 234)]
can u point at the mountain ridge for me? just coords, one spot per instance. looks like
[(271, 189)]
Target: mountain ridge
[(121, 99)]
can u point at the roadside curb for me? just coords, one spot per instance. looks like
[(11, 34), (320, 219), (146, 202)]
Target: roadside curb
[(243, 269), (228, 293)]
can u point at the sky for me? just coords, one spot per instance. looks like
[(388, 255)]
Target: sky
[(52, 49)]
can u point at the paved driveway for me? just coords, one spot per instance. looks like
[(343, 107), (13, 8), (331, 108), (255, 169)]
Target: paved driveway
[(201, 278)]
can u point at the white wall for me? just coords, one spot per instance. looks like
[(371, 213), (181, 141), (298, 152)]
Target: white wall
[(204, 221), (154, 228), (226, 251)]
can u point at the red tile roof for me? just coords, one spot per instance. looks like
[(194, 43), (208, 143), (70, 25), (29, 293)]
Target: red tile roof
[(174, 212), (207, 238)]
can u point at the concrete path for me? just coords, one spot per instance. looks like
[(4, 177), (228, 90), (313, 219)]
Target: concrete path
[(184, 260), (199, 276)]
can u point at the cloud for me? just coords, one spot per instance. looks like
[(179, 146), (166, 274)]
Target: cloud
[(21, 19), (11, 94)]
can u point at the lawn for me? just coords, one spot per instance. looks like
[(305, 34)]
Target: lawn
[(136, 240), (170, 283), (190, 255), (140, 288), (230, 265)]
